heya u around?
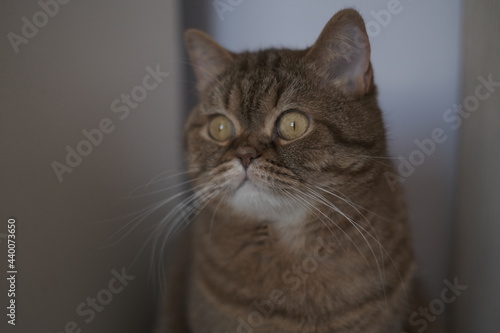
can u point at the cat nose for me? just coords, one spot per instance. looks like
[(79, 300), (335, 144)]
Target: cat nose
[(246, 155)]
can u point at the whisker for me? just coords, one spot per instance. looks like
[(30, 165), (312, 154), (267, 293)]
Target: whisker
[(136, 221), (376, 238), (344, 198), (157, 228), (307, 205), (163, 189), (194, 206), (328, 204), (215, 211), (159, 178), (336, 225)]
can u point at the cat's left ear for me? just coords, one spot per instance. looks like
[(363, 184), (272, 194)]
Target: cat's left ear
[(341, 54), (208, 58)]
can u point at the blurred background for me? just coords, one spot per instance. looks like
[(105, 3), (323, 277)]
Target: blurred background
[(92, 100)]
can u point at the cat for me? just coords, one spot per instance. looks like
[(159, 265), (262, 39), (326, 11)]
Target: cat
[(296, 229)]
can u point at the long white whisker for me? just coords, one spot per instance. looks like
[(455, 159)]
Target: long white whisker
[(330, 219), (356, 225), (155, 233), (215, 211), (159, 178), (307, 205), (199, 202), (141, 217), (163, 189), (376, 238)]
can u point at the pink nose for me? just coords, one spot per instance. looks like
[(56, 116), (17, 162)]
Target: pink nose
[(246, 155)]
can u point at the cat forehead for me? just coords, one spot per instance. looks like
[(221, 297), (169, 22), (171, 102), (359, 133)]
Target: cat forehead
[(258, 87), (268, 60)]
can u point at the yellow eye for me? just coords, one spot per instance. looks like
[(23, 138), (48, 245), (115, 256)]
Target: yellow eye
[(292, 125), (220, 128)]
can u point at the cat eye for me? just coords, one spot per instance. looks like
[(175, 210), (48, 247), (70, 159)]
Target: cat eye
[(220, 128), (292, 125)]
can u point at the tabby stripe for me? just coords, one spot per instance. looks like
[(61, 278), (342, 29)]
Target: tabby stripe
[(359, 170), (228, 88), (354, 312), (348, 142), (262, 60), (279, 91), (222, 295)]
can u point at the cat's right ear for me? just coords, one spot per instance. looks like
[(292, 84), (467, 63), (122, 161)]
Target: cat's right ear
[(208, 58)]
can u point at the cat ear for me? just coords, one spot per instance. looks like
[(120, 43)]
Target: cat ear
[(341, 54), (207, 57)]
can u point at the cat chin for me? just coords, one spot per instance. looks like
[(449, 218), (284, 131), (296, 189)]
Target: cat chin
[(260, 204)]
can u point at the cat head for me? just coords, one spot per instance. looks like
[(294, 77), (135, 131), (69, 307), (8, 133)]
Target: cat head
[(275, 127)]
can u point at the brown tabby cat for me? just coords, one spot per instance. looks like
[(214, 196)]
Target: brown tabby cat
[(298, 230)]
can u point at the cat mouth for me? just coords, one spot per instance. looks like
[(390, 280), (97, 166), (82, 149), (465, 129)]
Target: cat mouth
[(247, 185), (250, 186), (253, 197)]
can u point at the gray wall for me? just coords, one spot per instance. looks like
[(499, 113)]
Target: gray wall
[(61, 82)]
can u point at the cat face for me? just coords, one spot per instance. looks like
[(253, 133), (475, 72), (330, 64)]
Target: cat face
[(274, 127)]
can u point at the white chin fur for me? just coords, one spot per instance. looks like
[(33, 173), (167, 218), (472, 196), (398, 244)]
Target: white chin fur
[(258, 203)]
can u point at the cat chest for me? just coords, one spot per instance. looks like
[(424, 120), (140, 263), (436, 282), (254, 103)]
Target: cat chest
[(260, 272), (257, 278), (273, 292)]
